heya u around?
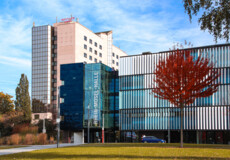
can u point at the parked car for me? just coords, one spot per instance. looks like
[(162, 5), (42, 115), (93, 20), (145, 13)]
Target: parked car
[(151, 139)]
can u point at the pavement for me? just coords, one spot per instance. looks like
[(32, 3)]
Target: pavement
[(33, 148)]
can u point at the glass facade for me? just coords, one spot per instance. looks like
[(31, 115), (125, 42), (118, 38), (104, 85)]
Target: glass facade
[(41, 63), (72, 96), (140, 110), (88, 92)]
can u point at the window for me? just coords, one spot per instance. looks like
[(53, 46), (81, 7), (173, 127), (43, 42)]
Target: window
[(117, 63), (90, 49), (85, 46), (85, 62), (100, 61), (54, 46), (85, 55), (100, 46), (85, 38), (117, 56), (90, 58), (95, 60), (36, 116), (90, 41), (113, 54), (100, 54), (113, 61), (95, 52), (95, 44)]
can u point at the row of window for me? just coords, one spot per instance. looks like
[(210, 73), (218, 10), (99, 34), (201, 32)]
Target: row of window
[(91, 58), (91, 50), (40, 28), (114, 62), (113, 54), (41, 45), (91, 42)]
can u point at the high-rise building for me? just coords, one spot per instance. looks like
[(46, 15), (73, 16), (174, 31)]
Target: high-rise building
[(66, 42), (207, 120)]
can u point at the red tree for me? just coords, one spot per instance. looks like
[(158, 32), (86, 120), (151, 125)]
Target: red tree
[(180, 79)]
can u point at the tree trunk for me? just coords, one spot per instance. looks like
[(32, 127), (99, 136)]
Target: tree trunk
[(181, 124)]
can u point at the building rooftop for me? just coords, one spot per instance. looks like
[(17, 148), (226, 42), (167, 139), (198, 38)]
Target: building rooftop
[(192, 48)]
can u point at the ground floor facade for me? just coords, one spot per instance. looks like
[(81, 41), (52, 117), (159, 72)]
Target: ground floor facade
[(199, 137)]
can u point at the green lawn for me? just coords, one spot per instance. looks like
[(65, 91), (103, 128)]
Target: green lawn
[(128, 151)]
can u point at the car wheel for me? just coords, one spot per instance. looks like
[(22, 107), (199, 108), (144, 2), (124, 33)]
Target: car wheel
[(145, 142), (159, 142)]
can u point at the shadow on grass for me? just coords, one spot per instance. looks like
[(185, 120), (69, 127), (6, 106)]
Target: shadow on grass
[(53, 155), (171, 145)]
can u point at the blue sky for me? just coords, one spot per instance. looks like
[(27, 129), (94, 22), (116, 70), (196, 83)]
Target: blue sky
[(138, 26)]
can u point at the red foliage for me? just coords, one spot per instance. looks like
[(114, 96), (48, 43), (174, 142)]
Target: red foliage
[(180, 79)]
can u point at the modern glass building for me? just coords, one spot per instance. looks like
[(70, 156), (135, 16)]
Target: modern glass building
[(207, 120), (41, 63), (90, 92)]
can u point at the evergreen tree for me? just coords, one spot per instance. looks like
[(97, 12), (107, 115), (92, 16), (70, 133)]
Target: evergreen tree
[(22, 102)]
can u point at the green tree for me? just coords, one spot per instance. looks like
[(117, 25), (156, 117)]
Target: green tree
[(215, 16), (22, 102), (50, 128), (6, 103), (38, 106)]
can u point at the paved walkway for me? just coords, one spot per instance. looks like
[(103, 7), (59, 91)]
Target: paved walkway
[(33, 148)]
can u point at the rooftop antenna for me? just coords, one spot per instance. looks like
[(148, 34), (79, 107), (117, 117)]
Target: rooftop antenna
[(77, 19), (33, 24), (56, 19)]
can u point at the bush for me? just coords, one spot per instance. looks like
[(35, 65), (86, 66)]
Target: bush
[(51, 140), (24, 129), (8, 142), (42, 138), (3, 141), (15, 139), (28, 139)]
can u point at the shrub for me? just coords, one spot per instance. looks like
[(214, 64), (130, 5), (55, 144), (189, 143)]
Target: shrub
[(8, 142), (2, 140), (28, 139), (35, 139), (24, 129), (14, 139), (51, 140), (23, 138), (42, 138)]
